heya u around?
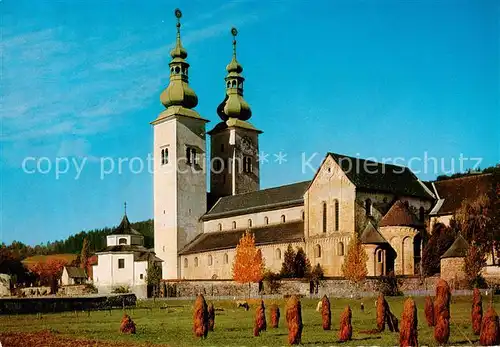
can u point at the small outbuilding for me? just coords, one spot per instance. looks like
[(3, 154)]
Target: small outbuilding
[(73, 275), (453, 261)]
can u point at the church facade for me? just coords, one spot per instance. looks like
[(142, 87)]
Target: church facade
[(197, 229)]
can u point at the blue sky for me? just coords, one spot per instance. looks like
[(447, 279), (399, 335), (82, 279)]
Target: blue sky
[(379, 79)]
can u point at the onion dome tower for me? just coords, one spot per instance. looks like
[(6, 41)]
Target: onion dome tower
[(234, 141), (180, 189)]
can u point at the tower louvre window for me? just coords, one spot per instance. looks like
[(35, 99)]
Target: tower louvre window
[(324, 217), (164, 156), (191, 157), (337, 214), (247, 164)]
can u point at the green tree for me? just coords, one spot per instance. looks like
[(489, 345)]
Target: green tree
[(302, 266), (475, 260), (288, 265), (85, 254), (441, 239), (153, 277)]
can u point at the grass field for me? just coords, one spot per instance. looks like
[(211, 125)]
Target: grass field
[(170, 323)]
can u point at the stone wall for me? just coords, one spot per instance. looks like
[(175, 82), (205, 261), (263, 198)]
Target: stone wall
[(4, 285), (335, 287), (76, 290), (452, 269)]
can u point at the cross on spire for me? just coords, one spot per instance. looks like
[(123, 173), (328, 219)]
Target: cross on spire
[(125, 207)]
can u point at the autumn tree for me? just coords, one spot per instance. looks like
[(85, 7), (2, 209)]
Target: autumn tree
[(475, 260), (85, 254), (49, 272), (354, 266), (248, 265), (288, 266)]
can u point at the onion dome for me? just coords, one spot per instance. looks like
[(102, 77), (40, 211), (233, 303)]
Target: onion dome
[(234, 106), (178, 91)]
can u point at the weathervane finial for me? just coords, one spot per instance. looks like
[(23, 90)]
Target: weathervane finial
[(234, 32), (178, 14), (125, 207)]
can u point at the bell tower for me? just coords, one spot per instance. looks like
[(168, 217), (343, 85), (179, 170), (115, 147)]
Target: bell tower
[(180, 192), (234, 142)]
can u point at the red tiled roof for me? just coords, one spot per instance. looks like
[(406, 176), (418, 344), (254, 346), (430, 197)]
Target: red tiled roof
[(400, 215)]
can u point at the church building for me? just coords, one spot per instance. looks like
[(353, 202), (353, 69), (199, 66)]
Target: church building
[(196, 229)]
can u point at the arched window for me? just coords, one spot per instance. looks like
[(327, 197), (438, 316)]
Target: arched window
[(278, 253), (185, 262), (266, 220), (226, 258), (249, 223), (317, 251), (283, 219), (341, 248), (337, 214), (196, 261), (210, 260), (368, 207), (303, 214), (324, 217), (220, 226), (233, 83), (122, 241), (421, 213), (234, 225)]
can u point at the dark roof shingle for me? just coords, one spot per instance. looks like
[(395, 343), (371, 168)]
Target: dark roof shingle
[(277, 233), (456, 190), (259, 200), (458, 249), (76, 272), (371, 235), (400, 215), (125, 228), (370, 175)]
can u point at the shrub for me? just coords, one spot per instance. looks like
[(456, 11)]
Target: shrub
[(345, 332), (121, 290), (326, 314), (389, 285), (490, 331), (294, 320), (211, 317), (476, 312), (275, 316), (408, 335), (260, 319), (442, 312), (272, 281), (429, 311), (200, 317), (127, 326), (381, 306)]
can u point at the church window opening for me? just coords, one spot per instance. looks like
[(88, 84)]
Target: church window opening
[(196, 261), (266, 220), (233, 84), (283, 218), (228, 84), (317, 251), (341, 248), (141, 276), (217, 165), (278, 253), (191, 157), (324, 217), (226, 258), (303, 214), (337, 213), (249, 223), (220, 226), (185, 262), (234, 225), (210, 260), (121, 263), (122, 241), (368, 207), (421, 213), (177, 69), (164, 156)]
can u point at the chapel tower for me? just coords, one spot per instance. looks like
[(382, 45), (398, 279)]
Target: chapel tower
[(180, 192), (234, 141)]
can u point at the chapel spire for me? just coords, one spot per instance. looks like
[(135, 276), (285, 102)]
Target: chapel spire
[(234, 106), (178, 92)]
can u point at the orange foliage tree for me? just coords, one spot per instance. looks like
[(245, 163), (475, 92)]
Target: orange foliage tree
[(49, 272), (354, 266), (248, 265)]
